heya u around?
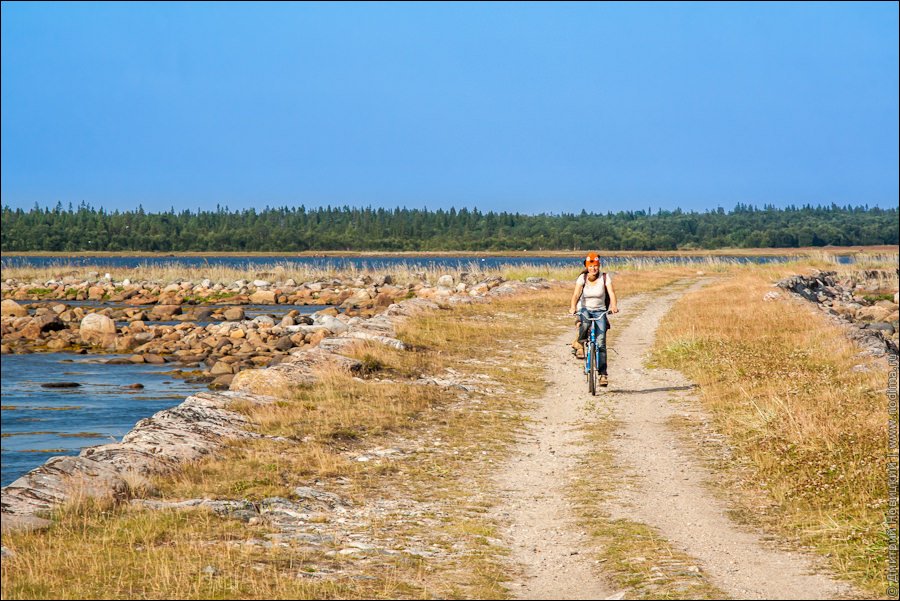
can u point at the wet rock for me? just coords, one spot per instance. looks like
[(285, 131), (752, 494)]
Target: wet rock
[(60, 385), (135, 386)]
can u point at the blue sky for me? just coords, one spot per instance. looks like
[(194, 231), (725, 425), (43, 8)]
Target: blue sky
[(518, 107)]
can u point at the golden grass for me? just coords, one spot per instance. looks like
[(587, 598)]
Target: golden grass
[(805, 426)]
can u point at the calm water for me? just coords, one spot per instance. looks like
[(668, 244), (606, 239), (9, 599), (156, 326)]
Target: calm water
[(374, 263), (39, 423)]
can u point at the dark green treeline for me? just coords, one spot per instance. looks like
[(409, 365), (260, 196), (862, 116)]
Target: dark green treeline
[(299, 229)]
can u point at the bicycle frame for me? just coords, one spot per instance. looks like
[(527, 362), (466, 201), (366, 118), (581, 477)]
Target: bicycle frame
[(590, 353)]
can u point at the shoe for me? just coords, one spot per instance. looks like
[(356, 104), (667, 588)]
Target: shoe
[(579, 353), (604, 381)]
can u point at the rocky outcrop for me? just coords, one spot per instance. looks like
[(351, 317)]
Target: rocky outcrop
[(865, 300), (198, 426), (204, 422)]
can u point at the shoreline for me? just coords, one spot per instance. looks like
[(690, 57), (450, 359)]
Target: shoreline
[(801, 251)]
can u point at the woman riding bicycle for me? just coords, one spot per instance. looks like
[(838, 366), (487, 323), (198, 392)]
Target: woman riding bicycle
[(590, 298)]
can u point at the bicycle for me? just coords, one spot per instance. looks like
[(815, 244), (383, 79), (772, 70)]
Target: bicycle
[(591, 362)]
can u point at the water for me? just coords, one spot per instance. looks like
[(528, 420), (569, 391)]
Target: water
[(373, 263), (39, 423)]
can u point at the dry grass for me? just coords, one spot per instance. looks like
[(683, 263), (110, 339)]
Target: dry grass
[(806, 427), (402, 273)]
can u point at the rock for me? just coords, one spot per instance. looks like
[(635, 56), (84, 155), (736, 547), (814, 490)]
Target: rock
[(164, 312), (284, 343), (222, 382), (874, 313), (43, 488), (136, 386), (233, 314), (60, 385), (220, 367), (22, 523), (98, 329), (316, 337), (771, 296), (301, 368), (445, 281), (264, 320), (263, 297), (10, 308), (333, 324), (57, 344)]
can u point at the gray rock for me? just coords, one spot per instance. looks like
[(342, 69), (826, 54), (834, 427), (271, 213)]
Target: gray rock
[(333, 324)]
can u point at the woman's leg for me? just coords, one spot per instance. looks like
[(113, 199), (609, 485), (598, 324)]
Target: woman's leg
[(601, 347)]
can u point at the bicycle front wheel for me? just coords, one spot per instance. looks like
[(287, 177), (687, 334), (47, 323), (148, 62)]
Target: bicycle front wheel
[(592, 370)]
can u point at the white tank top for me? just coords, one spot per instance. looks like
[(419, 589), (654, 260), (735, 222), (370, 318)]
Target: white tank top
[(594, 295)]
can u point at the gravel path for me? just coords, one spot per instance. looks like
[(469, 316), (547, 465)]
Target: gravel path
[(666, 491)]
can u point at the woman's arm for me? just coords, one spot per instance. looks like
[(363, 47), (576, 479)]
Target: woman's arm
[(578, 290)]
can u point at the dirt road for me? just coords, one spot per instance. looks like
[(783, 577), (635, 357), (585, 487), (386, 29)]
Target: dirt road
[(668, 486)]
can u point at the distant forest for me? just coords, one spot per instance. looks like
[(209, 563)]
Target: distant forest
[(332, 228)]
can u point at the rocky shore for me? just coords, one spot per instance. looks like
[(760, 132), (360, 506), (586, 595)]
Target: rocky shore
[(202, 326), (204, 422), (866, 300)]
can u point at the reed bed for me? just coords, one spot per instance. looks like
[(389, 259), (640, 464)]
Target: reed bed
[(401, 273)]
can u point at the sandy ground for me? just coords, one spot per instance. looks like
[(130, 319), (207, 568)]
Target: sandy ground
[(667, 487)]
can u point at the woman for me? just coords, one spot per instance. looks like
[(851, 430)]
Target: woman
[(590, 297)]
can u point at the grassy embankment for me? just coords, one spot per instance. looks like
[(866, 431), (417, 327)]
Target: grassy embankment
[(805, 416), (421, 511)]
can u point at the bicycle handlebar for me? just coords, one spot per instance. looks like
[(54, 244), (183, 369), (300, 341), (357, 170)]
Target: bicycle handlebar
[(603, 314)]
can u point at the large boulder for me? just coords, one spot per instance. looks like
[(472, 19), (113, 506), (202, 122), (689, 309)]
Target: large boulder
[(10, 308), (98, 329)]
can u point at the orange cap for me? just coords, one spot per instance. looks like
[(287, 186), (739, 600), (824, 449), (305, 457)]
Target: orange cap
[(592, 259)]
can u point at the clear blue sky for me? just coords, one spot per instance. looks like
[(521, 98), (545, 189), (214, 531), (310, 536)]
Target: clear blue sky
[(520, 107)]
